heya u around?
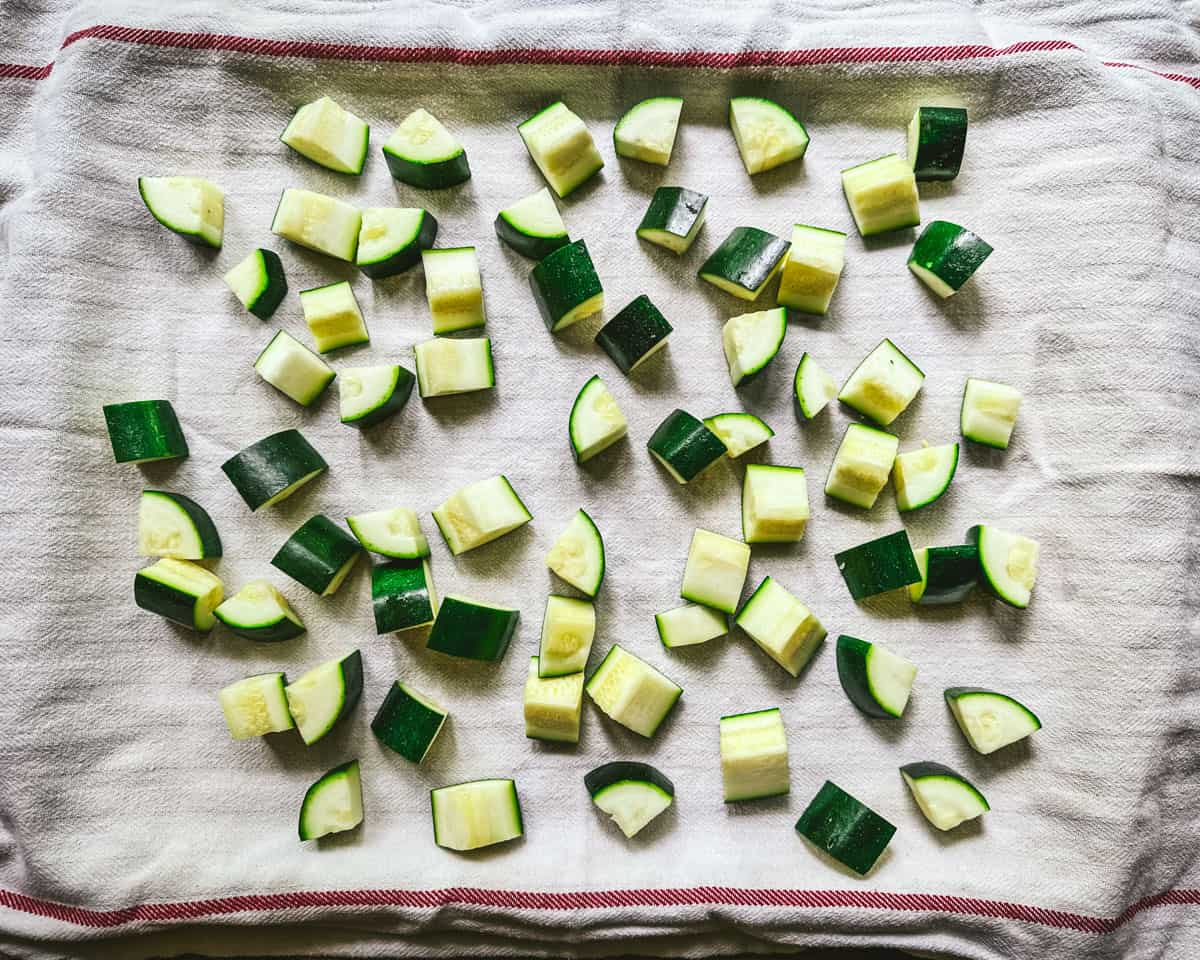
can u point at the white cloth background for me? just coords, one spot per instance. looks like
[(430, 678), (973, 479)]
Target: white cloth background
[(118, 782)]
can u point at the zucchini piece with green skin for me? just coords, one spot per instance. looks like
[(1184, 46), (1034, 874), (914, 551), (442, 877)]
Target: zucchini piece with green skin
[(423, 153), (325, 694), (192, 207), (740, 432), (408, 722), (181, 591), (783, 627), (294, 370), (948, 574), (256, 706), (369, 395), (533, 226), (144, 431), (553, 705), (562, 147), (632, 693), (920, 477), (328, 135), (811, 269), (1008, 563), (320, 555), (774, 504), (390, 533), (689, 625), (767, 134), (751, 341), (172, 525), (577, 556), (333, 316), (631, 793), (990, 720), (876, 680), (565, 286), (673, 219), (861, 466), (259, 612), (596, 422), (745, 262), (480, 513), (318, 222), (472, 629), (946, 256), (453, 288), (390, 239), (258, 282), (333, 804), (716, 571), (271, 470), (882, 195), (989, 412), (635, 334), (568, 628), (845, 828), (402, 595), (685, 446), (878, 566), (883, 385), (447, 366), (754, 756), (937, 137), (646, 131), (944, 796), (480, 813), (812, 387)]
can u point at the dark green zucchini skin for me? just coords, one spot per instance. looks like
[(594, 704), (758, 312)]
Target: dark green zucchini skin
[(429, 176), (845, 828), (619, 771), (636, 330), (746, 257), (316, 552), (277, 287), (273, 464), (158, 598), (686, 443), (878, 565), (852, 672), (562, 281), (536, 248), (950, 574), (673, 210), (466, 630), (406, 725), (144, 430), (407, 257), (941, 139), (400, 595), (394, 404), (949, 251)]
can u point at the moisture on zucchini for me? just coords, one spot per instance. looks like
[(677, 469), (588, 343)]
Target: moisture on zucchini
[(318, 222), (673, 219), (256, 706), (689, 625), (325, 694), (751, 341), (259, 612), (294, 370), (811, 269), (258, 282), (1008, 563), (716, 571), (533, 226), (467, 816), (990, 720), (647, 130), (390, 533), (553, 705), (274, 468), (565, 286), (920, 477), (143, 431), (945, 797), (936, 139), (767, 134), (328, 135), (631, 692), (408, 722), (845, 828), (876, 680), (685, 446), (635, 334), (596, 422), (577, 556), (948, 574), (882, 195), (861, 466), (879, 565), (402, 595), (562, 147), (480, 513), (883, 385), (631, 793), (568, 628), (172, 525), (812, 387), (181, 591), (472, 629), (446, 366), (423, 153), (774, 504), (989, 412), (192, 207), (740, 432), (946, 256), (453, 288), (783, 627), (369, 395), (333, 804), (333, 316), (320, 555), (754, 755), (390, 239), (745, 262)]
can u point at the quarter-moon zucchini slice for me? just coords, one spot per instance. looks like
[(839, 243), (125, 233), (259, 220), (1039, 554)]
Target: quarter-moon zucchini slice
[(328, 135), (946, 797), (333, 804), (630, 792), (990, 720), (1008, 563), (767, 134), (876, 680), (192, 207), (647, 130)]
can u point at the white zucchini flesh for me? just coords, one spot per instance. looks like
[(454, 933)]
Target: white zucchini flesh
[(257, 605), (716, 571), (989, 412), (647, 130), (453, 288), (447, 366), (561, 146), (752, 340), (689, 625), (811, 269), (783, 627), (363, 389), (333, 316), (467, 816), (166, 530), (946, 801), (767, 135), (332, 804), (422, 138), (385, 230), (568, 628), (292, 369), (632, 804), (553, 705), (774, 504), (391, 533), (577, 556), (991, 720), (862, 465), (536, 215), (890, 678), (256, 706), (190, 206), (480, 513), (882, 195), (883, 385), (631, 692), (740, 432), (328, 135), (319, 222), (596, 422), (921, 476), (754, 756), (1009, 563), (316, 699), (813, 387)]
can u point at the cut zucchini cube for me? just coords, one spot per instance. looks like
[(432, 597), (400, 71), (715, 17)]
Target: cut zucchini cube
[(861, 466), (391, 239), (882, 195), (448, 366), (568, 628), (333, 804), (774, 504), (532, 226), (689, 625), (878, 566), (631, 692), (402, 595), (256, 706), (453, 288), (883, 385), (258, 282), (172, 525), (260, 612), (875, 680), (990, 720), (325, 694), (673, 219), (294, 370), (647, 130), (754, 755), (562, 148), (946, 256), (812, 387), (320, 555), (945, 797), (333, 316), (318, 222), (143, 431), (920, 477), (936, 139), (745, 262), (181, 591), (596, 422), (740, 432), (784, 628), (716, 571), (192, 207), (423, 153), (408, 722), (1008, 563), (767, 134), (811, 269), (369, 395), (553, 705), (635, 334), (467, 816), (472, 629), (565, 286), (577, 556), (751, 341), (989, 412), (480, 513), (685, 446), (845, 828), (328, 135)]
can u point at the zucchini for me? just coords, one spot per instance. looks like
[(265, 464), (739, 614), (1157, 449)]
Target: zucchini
[(689, 625), (879, 565), (259, 612), (390, 239), (577, 556), (784, 628), (172, 525), (423, 153), (767, 134), (990, 720), (811, 269), (533, 227), (333, 804), (946, 256), (453, 288), (861, 466), (751, 341), (472, 629), (812, 387), (325, 694), (256, 706), (561, 146), (596, 422), (565, 286), (320, 555), (948, 574), (882, 195), (258, 282), (402, 595), (408, 722), (568, 628), (716, 571), (745, 262), (945, 797), (294, 370), (754, 755), (635, 334), (883, 385), (632, 693), (192, 207), (480, 513), (390, 533), (1008, 563), (328, 135), (144, 431), (685, 446), (876, 680), (552, 705), (631, 793), (920, 477), (333, 316), (271, 470), (181, 591), (845, 828), (673, 219), (447, 366), (467, 816), (989, 412), (318, 222), (369, 395), (774, 504), (937, 137), (646, 131), (740, 432)]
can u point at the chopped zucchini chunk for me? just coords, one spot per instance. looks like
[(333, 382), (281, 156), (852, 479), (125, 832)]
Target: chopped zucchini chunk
[(453, 288), (423, 153), (767, 134), (751, 341), (631, 692), (408, 722), (880, 565), (294, 370), (990, 720), (181, 591), (271, 470), (921, 476), (883, 385), (402, 595), (467, 816), (256, 706), (568, 628), (328, 135), (754, 755), (946, 256), (325, 694), (876, 680), (553, 704), (333, 316), (740, 432), (320, 555), (172, 525), (596, 422), (390, 533), (391, 239), (258, 282), (784, 628), (685, 446), (480, 513), (192, 207), (565, 286), (647, 130), (143, 431), (811, 269), (333, 804), (447, 366), (561, 146), (845, 828), (946, 797), (989, 412), (1008, 563), (631, 793), (369, 395), (472, 629), (259, 612), (689, 625), (861, 465), (936, 139), (673, 219), (774, 504), (577, 556), (882, 195), (812, 387), (533, 226), (948, 574), (716, 571), (745, 262), (635, 334), (321, 223)]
